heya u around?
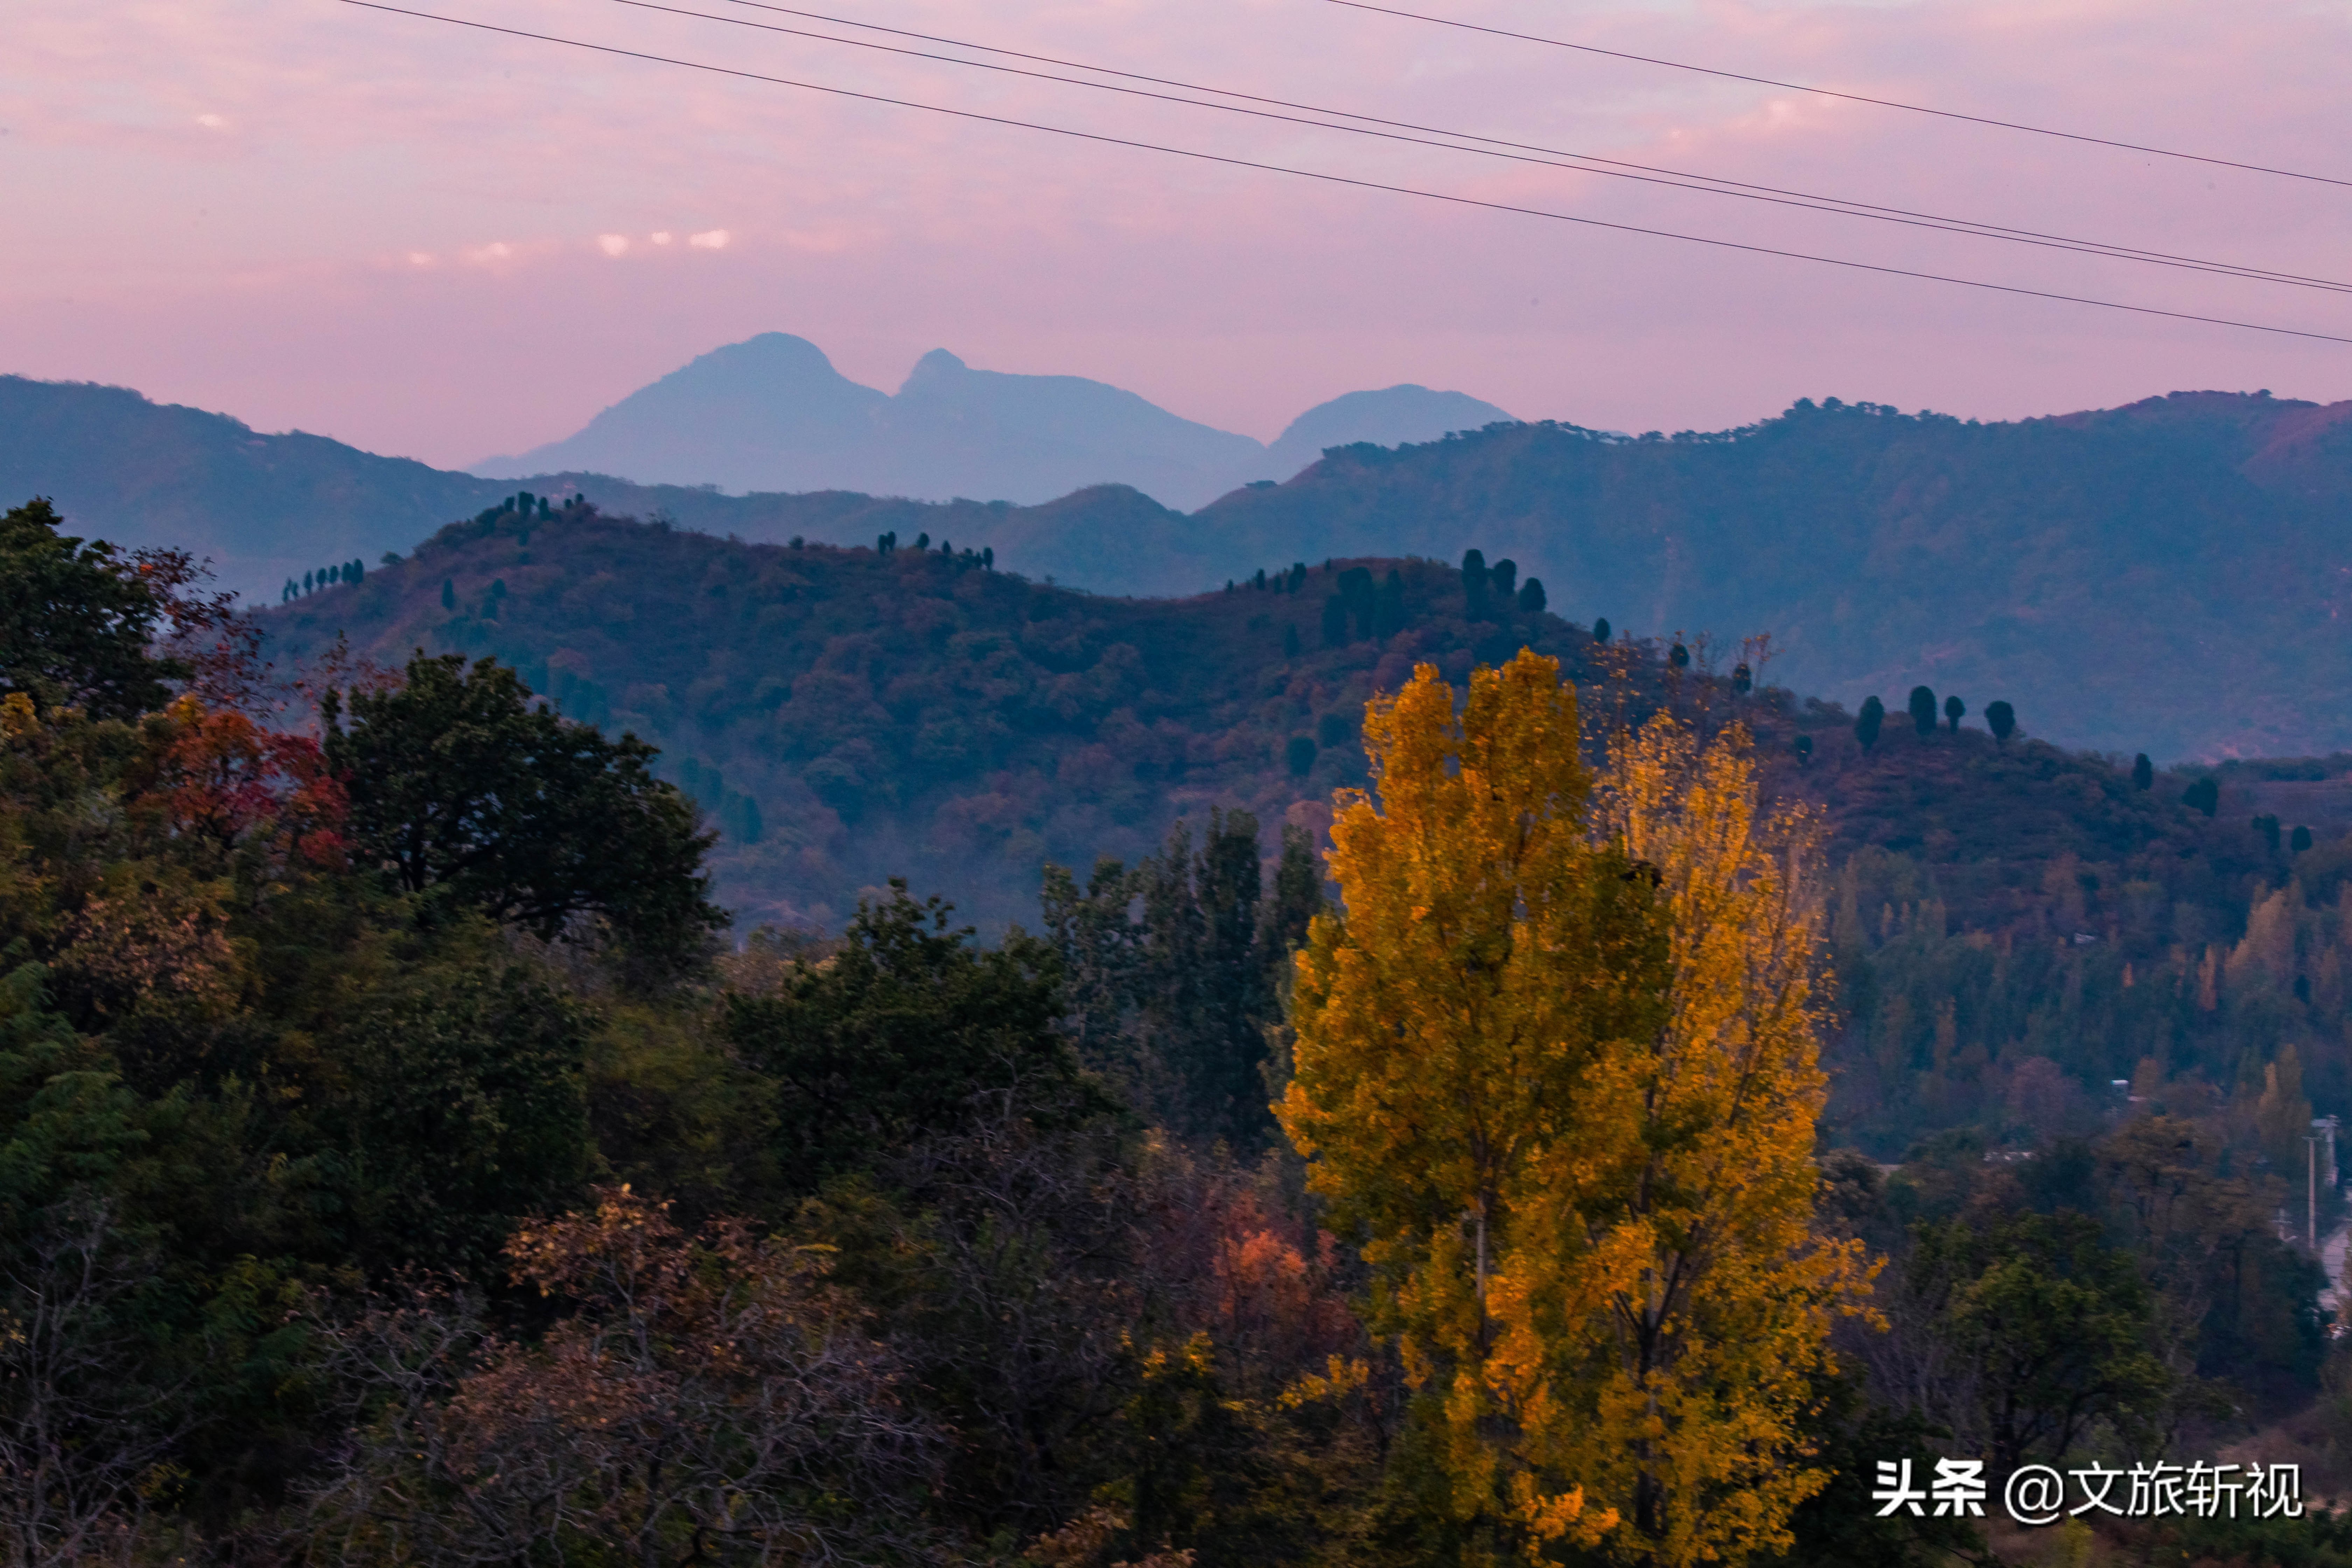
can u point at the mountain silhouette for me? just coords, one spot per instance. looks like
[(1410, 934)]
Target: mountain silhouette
[(772, 413)]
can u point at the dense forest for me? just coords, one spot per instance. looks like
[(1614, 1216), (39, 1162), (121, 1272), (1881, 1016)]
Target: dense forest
[(406, 1161)]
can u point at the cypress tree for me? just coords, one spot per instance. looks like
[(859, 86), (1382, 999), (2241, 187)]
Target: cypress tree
[(1531, 595), (306, 582), (1923, 712), (1867, 723), (1258, 582), (2143, 772), (1504, 576), (988, 557), (1955, 711), (1804, 751), (2001, 719), (2267, 826), (2300, 840), (1335, 621), (922, 541), (1388, 608), (1678, 657), (1474, 582), (1600, 630)]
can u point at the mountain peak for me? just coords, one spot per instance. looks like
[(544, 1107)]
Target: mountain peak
[(936, 365)]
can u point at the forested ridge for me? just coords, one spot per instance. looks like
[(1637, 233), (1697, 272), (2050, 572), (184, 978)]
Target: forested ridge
[(407, 1162)]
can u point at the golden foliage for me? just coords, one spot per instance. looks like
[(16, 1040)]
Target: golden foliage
[(1557, 1061)]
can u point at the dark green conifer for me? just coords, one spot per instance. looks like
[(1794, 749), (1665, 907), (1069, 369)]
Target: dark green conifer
[(2143, 772), (2001, 719), (2299, 840), (1868, 723), (1388, 608), (1335, 621), (1600, 630), (1923, 712), (1953, 711), (1678, 657), (1804, 751), (1504, 578), (1531, 595), (2204, 794)]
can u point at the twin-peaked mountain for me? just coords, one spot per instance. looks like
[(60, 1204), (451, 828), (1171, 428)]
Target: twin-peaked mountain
[(772, 414)]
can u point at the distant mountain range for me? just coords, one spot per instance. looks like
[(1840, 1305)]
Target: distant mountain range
[(2172, 576), (772, 413)]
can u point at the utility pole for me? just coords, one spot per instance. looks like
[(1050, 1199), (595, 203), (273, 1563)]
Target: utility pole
[(2311, 1210)]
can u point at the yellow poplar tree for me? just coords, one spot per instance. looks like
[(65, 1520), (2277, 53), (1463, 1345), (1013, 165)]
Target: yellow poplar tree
[(1556, 1062)]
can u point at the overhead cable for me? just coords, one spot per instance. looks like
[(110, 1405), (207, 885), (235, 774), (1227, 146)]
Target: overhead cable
[(1487, 146), (1848, 96), (1347, 180)]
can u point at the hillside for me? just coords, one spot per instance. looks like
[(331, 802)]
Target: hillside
[(916, 712), (844, 716), (2165, 578), (2202, 532)]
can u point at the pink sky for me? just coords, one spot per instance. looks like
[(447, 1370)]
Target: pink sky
[(441, 243)]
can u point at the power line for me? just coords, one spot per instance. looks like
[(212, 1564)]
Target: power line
[(1848, 96), (1352, 181), (1582, 162)]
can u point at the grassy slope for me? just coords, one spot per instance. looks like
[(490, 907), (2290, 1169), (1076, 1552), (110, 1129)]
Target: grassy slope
[(912, 714)]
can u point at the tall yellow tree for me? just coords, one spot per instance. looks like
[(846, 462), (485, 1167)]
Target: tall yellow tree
[(1556, 1061)]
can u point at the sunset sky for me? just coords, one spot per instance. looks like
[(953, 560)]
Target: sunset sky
[(445, 243)]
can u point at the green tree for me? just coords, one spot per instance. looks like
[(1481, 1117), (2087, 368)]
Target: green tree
[(2203, 794), (2299, 840), (1869, 722), (2143, 773), (1953, 711), (1388, 608), (79, 619), (466, 1112), (1531, 595), (2001, 719), (458, 782), (1473, 583), (2056, 1325), (1923, 712), (2266, 827), (909, 1031), (1600, 630), (1504, 577)]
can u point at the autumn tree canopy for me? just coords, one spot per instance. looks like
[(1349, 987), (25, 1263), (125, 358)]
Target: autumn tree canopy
[(1557, 1061)]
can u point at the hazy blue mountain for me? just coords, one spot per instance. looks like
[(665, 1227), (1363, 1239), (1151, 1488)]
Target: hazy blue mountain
[(769, 414), (956, 431), (265, 508), (772, 413), (1393, 416)]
